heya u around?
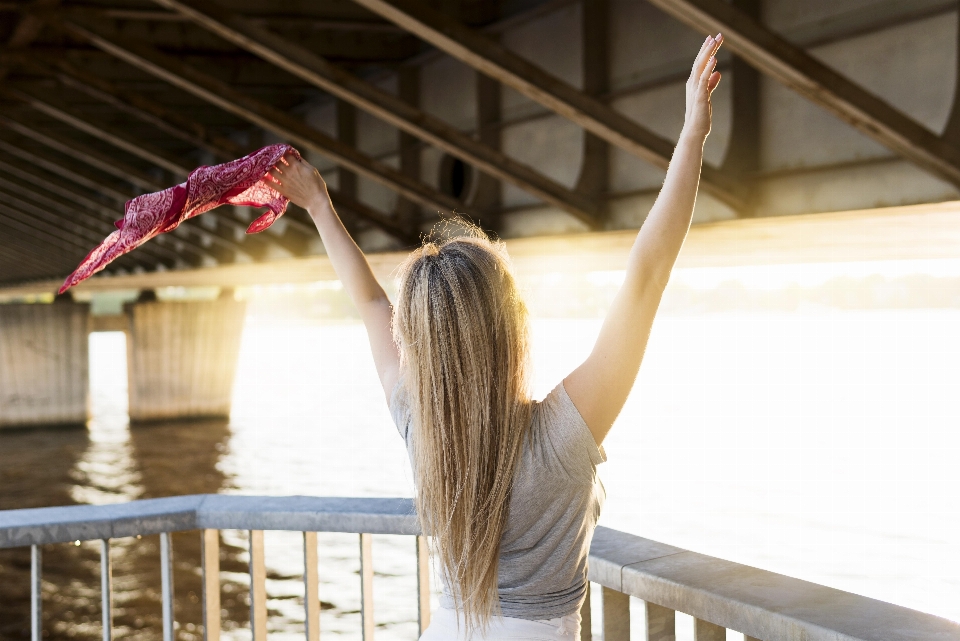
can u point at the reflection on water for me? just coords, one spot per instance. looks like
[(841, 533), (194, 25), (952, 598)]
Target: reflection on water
[(37, 468), (108, 464), (817, 443)]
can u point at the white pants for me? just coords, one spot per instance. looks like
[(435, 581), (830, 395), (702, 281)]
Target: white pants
[(443, 627)]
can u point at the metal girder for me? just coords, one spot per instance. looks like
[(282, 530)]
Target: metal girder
[(16, 256), (82, 177), (313, 69), (110, 165), (228, 150), (225, 238), (259, 113), (28, 252), (300, 22), (45, 235), (70, 195), (364, 211), (70, 212), (166, 120), (56, 226), (27, 29), (494, 60), (814, 80), (191, 131), (57, 110), (88, 156)]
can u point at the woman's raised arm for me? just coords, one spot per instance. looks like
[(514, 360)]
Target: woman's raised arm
[(301, 183), (600, 386)]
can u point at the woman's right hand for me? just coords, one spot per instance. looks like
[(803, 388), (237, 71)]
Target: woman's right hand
[(703, 80), (299, 181)]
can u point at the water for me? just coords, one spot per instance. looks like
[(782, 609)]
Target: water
[(817, 443)]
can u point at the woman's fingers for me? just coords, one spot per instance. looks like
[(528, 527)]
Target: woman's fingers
[(708, 50), (701, 58), (714, 80), (707, 67), (272, 177)]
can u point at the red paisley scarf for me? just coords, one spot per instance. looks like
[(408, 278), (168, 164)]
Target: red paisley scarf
[(234, 183)]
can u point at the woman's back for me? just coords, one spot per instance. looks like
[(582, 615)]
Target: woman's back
[(509, 488), (555, 502)]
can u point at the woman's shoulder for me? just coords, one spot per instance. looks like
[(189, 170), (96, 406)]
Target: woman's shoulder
[(556, 421)]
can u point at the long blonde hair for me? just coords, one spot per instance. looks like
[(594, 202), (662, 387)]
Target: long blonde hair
[(462, 331)]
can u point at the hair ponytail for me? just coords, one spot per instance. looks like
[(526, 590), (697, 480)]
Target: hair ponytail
[(462, 331)]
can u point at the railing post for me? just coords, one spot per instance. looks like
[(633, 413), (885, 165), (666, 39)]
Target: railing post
[(311, 594), (106, 589), (166, 584), (366, 585), (36, 593), (616, 615), (258, 587), (706, 631), (423, 583), (210, 560), (661, 622), (586, 618)]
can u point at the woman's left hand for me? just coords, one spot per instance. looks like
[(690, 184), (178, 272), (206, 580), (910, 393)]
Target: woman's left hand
[(298, 180), (703, 80)]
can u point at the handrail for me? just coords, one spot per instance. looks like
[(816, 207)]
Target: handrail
[(718, 593), (38, 526)]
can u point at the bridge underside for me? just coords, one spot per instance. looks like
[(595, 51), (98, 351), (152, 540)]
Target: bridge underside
[(533, 117)]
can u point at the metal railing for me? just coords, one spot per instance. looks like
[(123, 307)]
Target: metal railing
[(718, 594)]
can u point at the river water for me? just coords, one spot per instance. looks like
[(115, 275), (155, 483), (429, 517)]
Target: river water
[(819, 443)]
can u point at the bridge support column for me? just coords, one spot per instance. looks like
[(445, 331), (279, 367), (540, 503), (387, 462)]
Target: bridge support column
[(182, 357), (44, 364)]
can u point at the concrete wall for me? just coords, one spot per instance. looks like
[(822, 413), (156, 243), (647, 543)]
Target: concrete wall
[(43, 364), (182, 357), (810, 161)]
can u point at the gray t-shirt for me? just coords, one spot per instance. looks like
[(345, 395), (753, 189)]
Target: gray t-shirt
[(554, 508)]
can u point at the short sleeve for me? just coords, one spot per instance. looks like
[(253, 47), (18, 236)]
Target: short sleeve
[(400, 411), (564, 435)]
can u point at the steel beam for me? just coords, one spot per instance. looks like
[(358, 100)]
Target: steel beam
[(43, 236), (595, 25), (62, 223), (77, 199), (28, 28), (141, 149), (494, 60), (36, 157), (69, 211), (195, 133), (89, 157), (798, 70), (224, 238), (146, 110), (279, 122), (314, 69)]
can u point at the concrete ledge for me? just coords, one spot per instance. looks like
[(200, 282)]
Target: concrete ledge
[(611, 551), (761, 604)]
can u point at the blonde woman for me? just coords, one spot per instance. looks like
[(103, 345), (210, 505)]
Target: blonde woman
[(507, 486)]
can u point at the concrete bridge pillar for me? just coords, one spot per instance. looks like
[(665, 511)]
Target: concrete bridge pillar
[(182, 357), (44, 364)]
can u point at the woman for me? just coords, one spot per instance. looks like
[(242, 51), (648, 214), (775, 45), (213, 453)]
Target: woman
[(506, 486)]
